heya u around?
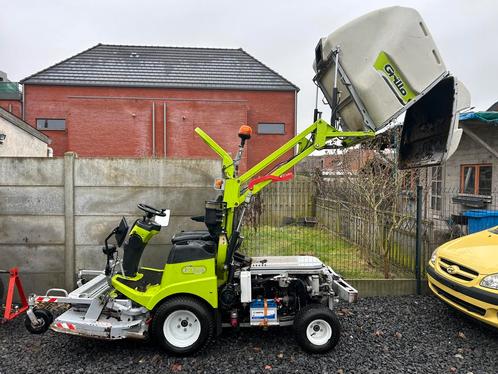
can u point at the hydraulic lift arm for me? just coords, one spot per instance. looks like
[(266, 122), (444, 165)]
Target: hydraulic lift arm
[(236, 191), (315, 137)]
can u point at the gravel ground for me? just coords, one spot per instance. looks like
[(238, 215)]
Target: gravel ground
[(410, 334)]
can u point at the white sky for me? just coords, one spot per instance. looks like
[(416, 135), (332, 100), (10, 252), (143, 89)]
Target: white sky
[(282, 34)]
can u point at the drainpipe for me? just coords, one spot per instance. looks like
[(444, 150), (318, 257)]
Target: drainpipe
[(295, 113), (22, 104), (153, 129), (164, 128), (295, 117)]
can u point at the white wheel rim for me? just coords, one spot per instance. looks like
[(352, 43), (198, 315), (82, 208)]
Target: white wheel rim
[(182, 328), (319, 332)]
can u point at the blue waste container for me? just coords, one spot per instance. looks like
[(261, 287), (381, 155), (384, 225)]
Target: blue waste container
[(481, 219)]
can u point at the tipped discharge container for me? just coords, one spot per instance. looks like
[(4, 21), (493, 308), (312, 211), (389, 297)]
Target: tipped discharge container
[(389, 64)]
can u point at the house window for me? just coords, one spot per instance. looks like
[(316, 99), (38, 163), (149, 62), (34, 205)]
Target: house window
[(271, 128), (476, 179), (50, 124), (410, 181), (436, 187)]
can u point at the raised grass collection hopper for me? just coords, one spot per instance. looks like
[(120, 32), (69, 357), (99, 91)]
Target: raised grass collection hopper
[(388, 64)]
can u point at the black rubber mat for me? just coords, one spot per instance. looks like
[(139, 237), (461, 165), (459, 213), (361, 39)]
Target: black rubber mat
[(150, 278)]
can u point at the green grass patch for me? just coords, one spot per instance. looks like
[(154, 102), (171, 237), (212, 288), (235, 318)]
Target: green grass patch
[(342, 256)]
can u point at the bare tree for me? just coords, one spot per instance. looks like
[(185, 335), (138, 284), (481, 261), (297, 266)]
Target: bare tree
[(368, 187), (254, 211)]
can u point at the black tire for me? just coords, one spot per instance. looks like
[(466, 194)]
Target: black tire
[(46, 318), (183, 336), (318, 318)]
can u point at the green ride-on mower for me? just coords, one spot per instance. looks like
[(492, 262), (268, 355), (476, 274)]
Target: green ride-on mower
[(206, 284), (370, 71)]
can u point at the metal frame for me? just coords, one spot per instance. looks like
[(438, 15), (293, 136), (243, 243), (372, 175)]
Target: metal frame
[(87, 303), (334, 59)]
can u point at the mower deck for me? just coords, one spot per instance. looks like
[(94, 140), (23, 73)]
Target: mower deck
[(74, 322)]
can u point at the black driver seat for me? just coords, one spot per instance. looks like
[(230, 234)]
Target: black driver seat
[(185, 236)]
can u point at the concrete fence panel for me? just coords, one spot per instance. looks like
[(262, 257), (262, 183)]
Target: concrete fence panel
[(15, 171), (145, 172), (55, 213), (32, 200), (96, 201)]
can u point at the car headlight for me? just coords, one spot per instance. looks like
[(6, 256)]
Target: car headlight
[(491, 281), (434, 256)]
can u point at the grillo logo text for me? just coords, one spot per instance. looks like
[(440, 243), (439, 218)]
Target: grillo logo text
[(396, 80)]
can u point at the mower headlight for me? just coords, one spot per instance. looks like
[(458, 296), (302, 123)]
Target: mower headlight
[(433, 257), (491, 281)]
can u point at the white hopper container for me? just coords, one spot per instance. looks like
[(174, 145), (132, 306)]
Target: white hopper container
[(389, 64)]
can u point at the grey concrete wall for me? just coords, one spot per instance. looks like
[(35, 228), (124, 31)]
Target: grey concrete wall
[(55, 213)]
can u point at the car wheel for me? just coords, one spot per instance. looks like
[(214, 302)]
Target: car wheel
[(317, 329), (183, 325)]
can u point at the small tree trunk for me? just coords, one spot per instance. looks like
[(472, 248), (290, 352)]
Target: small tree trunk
[(387, 252), (375, 236), (387, 265)]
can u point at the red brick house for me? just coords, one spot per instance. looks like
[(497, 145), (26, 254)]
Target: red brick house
[(142, 101)]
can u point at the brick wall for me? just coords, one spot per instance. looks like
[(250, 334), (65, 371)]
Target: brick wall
[(108, 121), (13, 106)]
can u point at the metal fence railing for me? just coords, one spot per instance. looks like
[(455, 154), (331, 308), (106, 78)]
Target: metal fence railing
[(357, 241)]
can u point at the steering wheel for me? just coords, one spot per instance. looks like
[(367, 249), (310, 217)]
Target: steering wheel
[(151, 210)]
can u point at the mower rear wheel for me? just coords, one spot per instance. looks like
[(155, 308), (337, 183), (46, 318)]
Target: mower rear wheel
[(183, 325), (45, 319), (317, 328)]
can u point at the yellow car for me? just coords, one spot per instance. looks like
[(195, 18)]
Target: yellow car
[(464, 274)]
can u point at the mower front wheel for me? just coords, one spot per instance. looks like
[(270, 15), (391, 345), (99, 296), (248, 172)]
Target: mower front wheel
[(317, 328), (45, 319), (183, 325)]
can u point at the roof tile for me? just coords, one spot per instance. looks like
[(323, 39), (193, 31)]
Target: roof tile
[(169, 67)]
